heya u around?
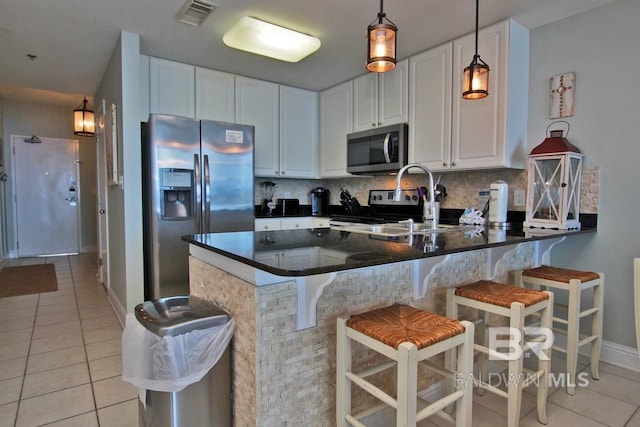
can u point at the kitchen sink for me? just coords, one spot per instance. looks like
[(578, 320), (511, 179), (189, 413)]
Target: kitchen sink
[(395, 229)]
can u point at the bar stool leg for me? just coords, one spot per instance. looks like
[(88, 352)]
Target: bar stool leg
[(465, 369), (343, 365), (544, 361), (596, 328), (407, 385), (450, 356), (514, 376), (573, 334), (483, 369)]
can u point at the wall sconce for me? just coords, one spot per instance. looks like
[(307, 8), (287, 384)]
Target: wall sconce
[(381, 43), (476, 75), (83, 120)]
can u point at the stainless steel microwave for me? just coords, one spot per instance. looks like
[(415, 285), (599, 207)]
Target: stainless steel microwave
[(377, 151)]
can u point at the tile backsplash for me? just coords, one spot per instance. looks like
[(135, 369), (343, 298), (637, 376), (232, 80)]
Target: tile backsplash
[(462, 187)]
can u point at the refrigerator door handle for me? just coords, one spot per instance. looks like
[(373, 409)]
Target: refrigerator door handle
[(196, 168), (207, 195)]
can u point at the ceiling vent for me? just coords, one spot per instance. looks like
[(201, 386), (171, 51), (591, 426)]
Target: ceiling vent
[(194, 12)]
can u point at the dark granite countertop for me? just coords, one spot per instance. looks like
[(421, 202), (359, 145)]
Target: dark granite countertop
[(325, 250)]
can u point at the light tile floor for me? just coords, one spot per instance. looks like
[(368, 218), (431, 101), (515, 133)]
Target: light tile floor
[(60, 354), (60, 365)]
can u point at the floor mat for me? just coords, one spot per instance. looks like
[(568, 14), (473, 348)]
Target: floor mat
[(27, 279)]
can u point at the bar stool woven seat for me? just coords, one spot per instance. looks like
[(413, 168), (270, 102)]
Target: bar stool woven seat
[(574, 282), (406, 336), (500, 294), (560, 274), (402, 323)]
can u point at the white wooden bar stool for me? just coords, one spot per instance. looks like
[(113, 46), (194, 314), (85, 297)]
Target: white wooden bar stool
[(574, 282), (406, 336), (514, 303)]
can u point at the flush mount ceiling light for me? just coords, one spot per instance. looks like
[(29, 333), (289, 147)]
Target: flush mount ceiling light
[(476, 75), (262, 38), (83, 120), (381, 43)]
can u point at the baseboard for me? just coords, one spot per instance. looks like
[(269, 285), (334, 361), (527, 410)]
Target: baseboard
[(610, 352), (118, 308)]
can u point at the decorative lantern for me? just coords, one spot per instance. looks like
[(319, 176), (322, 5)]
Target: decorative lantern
[(554, 180)]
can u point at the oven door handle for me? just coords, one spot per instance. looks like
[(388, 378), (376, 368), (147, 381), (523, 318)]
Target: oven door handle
[(387, 156)]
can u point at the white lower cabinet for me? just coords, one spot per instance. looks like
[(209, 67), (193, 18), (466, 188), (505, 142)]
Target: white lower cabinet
[(291, 223), (268, 224)]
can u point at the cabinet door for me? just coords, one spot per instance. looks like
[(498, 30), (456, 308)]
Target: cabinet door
[(171, 88), (215, 95), (393, 104), (336, 121), (430, 108), (144, 88), (480, 137), (301, 223), (365, 102), (298, 133), (257, 105)]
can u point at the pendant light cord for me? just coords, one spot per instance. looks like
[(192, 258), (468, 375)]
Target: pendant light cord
[(477, 14)]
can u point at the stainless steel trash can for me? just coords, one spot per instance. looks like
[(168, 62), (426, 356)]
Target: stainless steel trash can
[(206, 403)]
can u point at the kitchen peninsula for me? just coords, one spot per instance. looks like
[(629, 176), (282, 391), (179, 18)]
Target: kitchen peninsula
[(286, 288)]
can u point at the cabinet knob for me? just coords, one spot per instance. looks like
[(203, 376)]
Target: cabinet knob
[(453, 163), (444, 163), (282, 173)]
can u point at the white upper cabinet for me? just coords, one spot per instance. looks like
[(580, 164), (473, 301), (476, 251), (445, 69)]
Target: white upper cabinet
[(171, 88), (491, 132), (215, 95), (451, 133), (430, 108), (381, 99), (298, 133), (336, 121), (286, 127), (257, 104)]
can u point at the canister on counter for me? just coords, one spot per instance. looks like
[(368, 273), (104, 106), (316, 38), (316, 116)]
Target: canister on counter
[(498, 202)]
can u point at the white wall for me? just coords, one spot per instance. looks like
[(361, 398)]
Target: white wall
[(120, 85), (601, 47)]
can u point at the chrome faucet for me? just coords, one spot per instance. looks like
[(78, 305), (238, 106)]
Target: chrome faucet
[(428, 209)]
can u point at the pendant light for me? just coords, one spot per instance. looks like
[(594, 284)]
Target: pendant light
[(476, 75), (381, 43), (83, 120)]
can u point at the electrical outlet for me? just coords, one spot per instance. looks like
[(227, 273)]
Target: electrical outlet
[(518, 198)]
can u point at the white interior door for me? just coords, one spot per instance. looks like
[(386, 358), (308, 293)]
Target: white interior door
[(46, 196), (101, 206)]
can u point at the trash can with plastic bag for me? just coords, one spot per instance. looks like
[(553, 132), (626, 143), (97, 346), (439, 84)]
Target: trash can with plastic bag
[(176, 351)]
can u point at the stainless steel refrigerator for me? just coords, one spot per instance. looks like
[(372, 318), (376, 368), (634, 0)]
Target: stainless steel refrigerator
[(197, 178)]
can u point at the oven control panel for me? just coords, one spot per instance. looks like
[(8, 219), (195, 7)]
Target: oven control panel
[(385, 197)]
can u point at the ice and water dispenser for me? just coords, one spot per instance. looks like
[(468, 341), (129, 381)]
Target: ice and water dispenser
[(176, 189)]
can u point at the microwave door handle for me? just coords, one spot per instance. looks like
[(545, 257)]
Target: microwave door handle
[(387, 156)]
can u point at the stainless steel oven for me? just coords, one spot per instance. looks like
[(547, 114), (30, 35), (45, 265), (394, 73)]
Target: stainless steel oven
[(377, 151)]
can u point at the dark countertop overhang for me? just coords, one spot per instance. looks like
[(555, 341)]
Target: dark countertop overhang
[(329, 250)]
